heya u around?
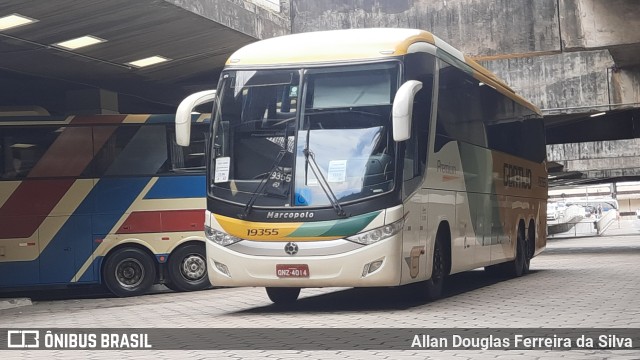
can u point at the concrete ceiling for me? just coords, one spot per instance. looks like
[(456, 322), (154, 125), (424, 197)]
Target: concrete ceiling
[(31, 69)]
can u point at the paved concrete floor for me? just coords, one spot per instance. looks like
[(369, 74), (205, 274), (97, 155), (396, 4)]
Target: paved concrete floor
[(589, 282)]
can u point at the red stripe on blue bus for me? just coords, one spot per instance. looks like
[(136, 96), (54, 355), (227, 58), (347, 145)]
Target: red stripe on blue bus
[(163, 221), (29, 205)]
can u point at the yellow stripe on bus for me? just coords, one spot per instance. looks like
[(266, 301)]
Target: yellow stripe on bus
[(251, 230)]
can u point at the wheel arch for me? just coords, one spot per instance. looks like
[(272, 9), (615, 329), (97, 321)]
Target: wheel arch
[(187, 241)]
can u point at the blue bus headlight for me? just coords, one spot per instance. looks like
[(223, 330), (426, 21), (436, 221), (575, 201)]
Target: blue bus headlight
[(220, 237), (377, 234)]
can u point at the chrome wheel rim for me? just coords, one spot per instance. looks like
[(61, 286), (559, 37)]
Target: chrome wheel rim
[(193, 267), (129, 273)]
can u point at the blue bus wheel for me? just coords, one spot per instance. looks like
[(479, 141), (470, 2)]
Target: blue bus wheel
[(129, 272), (187, 268)]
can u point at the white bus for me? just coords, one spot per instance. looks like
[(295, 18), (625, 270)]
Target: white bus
[(369, 157)]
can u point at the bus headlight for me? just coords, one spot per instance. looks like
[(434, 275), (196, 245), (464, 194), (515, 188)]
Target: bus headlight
[(220, 237), (377, 234)]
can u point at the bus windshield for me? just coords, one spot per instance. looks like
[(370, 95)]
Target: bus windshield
[(304, 137)]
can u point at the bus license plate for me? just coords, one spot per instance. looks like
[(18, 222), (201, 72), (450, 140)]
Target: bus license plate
[(292, 270)]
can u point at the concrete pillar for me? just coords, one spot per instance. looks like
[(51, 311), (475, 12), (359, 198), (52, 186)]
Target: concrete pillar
[(92, 101), (285, 8)]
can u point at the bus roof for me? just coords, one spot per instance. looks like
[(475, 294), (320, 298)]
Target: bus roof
[(358, 44)]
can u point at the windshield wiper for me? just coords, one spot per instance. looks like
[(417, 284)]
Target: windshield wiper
[(341, 111), (308, 154), (262, 184)]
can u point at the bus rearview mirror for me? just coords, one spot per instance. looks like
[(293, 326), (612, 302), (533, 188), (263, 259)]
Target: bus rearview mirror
[(183, 114), (403, 109)]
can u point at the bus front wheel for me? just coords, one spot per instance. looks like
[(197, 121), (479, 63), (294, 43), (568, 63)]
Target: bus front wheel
[(432, 289), (187, 268), (435, 284), (129, 272), (284, 295)]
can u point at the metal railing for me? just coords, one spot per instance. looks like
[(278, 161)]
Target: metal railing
[(574, 222)]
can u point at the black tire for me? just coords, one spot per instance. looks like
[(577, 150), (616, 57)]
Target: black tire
[(515, 268), (129, 272), (434, 286), (530, 247), (187, 268), (169, 285), (283, 295)]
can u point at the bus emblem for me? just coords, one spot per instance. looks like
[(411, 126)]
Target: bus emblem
[(291, 248)]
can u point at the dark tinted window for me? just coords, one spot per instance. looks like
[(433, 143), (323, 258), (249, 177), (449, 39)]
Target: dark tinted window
[(189, 158), (476, 113), (131, 150), (45, 151), (420, 67), (51, 152), (459, 108)]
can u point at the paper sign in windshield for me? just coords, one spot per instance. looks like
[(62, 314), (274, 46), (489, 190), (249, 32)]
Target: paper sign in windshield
[(337, 171), (222, 169)]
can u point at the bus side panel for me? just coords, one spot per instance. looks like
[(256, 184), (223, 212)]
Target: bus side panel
[(158, 213), (524, 185), (29, 242), (414, 240), (107, 202), (442, 208), (68, 250), (463, 233)]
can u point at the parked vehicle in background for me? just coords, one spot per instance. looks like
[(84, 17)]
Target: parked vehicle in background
[(561, 207), (552, 211), (104, 199)]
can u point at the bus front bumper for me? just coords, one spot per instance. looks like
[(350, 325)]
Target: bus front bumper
[(378, 264)]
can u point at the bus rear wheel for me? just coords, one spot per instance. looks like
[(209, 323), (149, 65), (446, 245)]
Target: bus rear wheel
[(283, 295), (516, 267), (187, 268), (129, 272)]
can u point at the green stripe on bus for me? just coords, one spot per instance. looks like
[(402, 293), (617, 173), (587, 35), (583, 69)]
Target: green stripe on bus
[(344, 227)]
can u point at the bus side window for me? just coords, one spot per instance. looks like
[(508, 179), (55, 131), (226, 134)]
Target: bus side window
[(190, 158), (23, 148), (132, 150), (419, 66), (460, 116)]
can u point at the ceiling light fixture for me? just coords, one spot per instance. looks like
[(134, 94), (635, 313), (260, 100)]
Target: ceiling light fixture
[(148, 61), (14, 20), (22, 146), (80, 42), (597, 114)]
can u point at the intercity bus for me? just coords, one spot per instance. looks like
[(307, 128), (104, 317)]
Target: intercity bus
[(101, 199), (368, 157)]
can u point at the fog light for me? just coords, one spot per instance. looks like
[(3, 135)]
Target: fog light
[(372, 266), (222, 268), (365, 271), (375, 265)]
